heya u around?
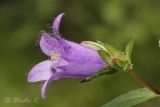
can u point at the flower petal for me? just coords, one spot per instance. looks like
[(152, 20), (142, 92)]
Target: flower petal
[(49, 45), (56, 24), (83, 61), (41, 71), (62, 62), (55, 76), (44, 88)]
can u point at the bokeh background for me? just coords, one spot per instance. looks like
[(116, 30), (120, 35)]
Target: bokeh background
[(112, 21)]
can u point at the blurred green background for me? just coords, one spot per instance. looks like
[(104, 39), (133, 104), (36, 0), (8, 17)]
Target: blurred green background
[(112, 21)]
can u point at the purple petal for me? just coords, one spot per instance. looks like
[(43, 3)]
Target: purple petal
[(44, 88), (61, 62), (83, 61), (56, 25), (41, 71), (49, 45), (55, 76)]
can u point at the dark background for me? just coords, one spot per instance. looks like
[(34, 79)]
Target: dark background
[(112, 21)]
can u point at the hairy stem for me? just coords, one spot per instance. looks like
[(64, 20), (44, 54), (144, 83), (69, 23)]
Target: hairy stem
[(143, 82)]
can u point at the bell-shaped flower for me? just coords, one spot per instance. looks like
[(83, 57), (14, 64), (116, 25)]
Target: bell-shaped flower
[(67, 59)]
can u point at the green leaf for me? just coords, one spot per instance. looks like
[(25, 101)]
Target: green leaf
[(93, 45), (129, 48), (132, 98)]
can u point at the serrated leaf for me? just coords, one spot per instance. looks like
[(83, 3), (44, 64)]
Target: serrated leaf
[(93, 45), (129, 48), (132, 98)]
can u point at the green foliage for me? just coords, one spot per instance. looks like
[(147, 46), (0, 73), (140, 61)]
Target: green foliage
[(131, 98)]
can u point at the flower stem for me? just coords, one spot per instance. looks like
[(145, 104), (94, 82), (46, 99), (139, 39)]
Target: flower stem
[(143, 82)]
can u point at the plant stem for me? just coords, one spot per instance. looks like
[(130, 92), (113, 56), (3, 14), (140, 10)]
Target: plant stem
[(143, 82)]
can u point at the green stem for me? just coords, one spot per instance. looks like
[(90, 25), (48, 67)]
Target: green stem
[(143, 82)]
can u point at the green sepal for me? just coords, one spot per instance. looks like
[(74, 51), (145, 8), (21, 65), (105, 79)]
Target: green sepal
[(128, 50), (110, 49), (105, 56), (106, 71), (93, 45)]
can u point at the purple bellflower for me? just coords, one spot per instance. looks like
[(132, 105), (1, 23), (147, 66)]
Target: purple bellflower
[(67, 59)]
